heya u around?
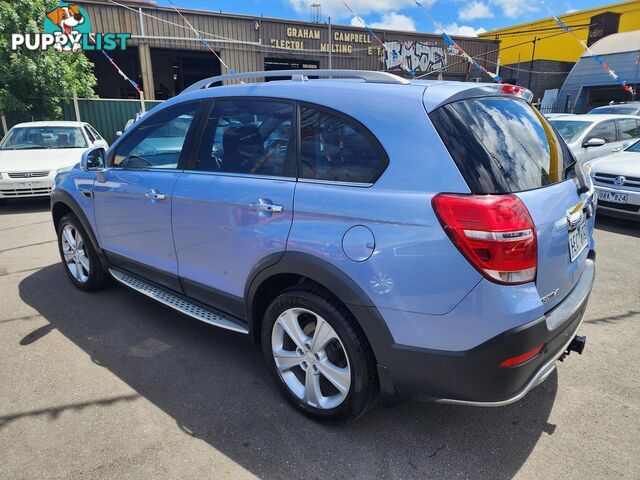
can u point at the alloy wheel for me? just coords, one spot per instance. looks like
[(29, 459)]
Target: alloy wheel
[(75, 253), (310, 358)]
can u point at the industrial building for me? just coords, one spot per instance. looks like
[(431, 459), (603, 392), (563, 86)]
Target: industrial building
[(539, 55), (164, 55)]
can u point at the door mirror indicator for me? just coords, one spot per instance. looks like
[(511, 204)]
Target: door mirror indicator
[(93, 160), (594, 142)]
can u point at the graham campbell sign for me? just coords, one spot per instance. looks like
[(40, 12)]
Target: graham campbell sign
[(68, 28)]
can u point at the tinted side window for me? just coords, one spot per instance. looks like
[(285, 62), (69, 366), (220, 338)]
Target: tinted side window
[(605, 130), (90, 135), (628, 128), (333, 148), (158, 142), (252, 137), (94, 132)]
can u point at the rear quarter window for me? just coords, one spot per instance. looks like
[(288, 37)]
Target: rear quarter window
[(501, 145)]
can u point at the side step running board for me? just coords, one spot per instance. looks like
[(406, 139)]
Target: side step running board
[(178, 302)]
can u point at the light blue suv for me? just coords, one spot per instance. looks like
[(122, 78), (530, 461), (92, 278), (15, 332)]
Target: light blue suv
[(378, 236)]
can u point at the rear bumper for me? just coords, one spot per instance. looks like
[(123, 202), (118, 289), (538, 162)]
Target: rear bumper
[(474, 377)]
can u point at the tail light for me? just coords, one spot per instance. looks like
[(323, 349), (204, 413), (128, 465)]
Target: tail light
[(521, 359), (494, 232)]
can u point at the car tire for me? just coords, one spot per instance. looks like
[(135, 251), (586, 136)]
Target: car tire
[(326, 357), (79, 256)]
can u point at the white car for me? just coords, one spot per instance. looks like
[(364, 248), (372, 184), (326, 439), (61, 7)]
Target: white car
[(593, 136), (617, 180), (31, 154)]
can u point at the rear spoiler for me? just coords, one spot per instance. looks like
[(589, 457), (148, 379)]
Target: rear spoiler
[(496, 90)]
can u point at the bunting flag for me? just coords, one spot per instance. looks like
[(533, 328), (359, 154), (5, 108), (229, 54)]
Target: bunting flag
[(120, 72), (393, 53), (602, 63), (449, 41), (202, 39)]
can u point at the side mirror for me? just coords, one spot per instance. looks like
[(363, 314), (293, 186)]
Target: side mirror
[(594, 142), (119, 133), (93, 160)]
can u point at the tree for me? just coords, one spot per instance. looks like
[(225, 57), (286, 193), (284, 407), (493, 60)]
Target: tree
[(33, 82)]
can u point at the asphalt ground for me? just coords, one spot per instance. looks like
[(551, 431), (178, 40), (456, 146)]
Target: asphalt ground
[(113, 385)]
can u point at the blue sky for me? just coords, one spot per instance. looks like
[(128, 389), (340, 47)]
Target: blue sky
[(464, 17)]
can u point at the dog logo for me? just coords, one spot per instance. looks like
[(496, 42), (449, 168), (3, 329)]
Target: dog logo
[(67, 20)]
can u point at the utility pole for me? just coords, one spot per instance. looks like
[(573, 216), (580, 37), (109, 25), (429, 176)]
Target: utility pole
[(533, 55), (330, 44), (635, 80)]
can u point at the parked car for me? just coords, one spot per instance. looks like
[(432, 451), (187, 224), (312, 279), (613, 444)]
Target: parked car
[(31, 154), (622, 108), (415, 239), (549, 116), (617, 181), (593, 136)]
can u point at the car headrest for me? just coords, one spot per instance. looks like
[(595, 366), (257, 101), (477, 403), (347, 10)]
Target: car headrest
[(242, 146)]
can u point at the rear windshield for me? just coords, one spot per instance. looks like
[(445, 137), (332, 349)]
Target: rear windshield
[(501, 145)]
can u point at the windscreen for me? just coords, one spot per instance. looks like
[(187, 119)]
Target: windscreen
[(501, 145), (37, 138), (615, 110), (570, 129)]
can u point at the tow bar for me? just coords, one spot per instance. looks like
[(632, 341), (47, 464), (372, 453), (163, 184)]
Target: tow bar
[(576, 345)]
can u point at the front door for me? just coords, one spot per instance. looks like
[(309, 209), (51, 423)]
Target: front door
[(606, 131), (133, 203), (233, 207)]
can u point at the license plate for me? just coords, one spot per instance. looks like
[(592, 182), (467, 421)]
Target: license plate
[(578, 240), (612, 196)]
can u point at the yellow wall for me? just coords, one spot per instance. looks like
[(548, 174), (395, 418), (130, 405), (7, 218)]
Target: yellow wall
[(561, 47)]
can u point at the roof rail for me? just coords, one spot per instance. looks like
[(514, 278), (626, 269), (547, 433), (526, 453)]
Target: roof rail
[(302, 76)]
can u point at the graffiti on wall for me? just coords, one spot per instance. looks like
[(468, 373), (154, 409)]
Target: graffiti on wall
[(417, 56)]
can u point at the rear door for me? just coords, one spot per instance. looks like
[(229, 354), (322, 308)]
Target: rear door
[(628, 132), (503, 145), (233, 207)]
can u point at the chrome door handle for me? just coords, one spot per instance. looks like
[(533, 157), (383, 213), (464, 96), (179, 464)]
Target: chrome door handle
[(154, 194), (266, 207), (616, 149)]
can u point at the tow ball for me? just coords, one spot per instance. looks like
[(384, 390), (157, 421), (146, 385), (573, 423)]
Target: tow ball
[(576, 345)]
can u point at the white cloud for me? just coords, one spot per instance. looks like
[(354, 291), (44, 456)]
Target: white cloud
[(475, 10), (516, 8), (461, 30), (571, 10), (336, 8), (391, 21)]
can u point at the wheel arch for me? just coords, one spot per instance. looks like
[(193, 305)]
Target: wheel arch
[(62, 203), (287, 269)]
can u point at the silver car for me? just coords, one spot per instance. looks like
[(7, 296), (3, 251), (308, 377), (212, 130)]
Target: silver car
[(617, 180), (593, 136)]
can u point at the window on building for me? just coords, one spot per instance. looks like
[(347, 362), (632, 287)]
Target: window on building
[(253, 137), (337, 149)]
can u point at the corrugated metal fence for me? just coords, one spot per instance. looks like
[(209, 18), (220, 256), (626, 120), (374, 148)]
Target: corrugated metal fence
[(106, 115)]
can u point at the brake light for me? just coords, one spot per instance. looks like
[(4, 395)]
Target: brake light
[(494, 232), (520, 359), (518, 91)]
